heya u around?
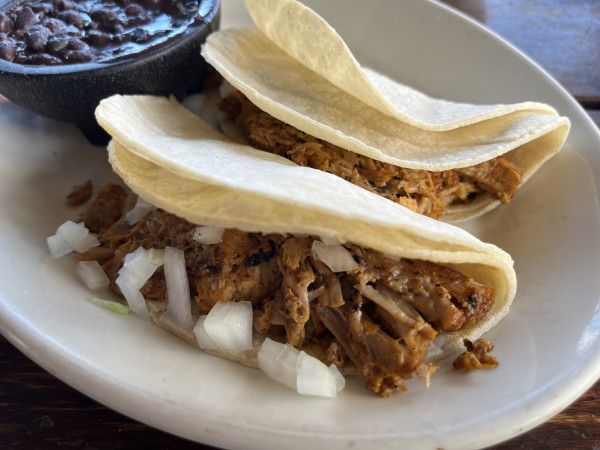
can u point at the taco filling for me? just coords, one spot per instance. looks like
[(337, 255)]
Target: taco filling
[(425, 192), (345, 304)]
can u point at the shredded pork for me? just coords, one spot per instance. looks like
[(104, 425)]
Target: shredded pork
[(476, 356), (380, 316), (425, 192)]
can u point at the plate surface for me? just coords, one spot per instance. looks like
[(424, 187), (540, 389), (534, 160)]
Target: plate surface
[(548, 345)]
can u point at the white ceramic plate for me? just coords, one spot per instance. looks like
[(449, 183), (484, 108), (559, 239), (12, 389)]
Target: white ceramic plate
[(548, 345)]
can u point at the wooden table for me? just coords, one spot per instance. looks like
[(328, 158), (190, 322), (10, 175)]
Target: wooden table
[(39, 411)]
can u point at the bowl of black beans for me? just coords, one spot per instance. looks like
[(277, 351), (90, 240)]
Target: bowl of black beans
[(59, 58)]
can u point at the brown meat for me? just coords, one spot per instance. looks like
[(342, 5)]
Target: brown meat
[(80, 194), (106, 208), (476, 356), (380, 316), (298, 275), (443, 296), (242, 267), (425, 192)]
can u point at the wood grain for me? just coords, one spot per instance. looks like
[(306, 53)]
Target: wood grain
[(561, 36)]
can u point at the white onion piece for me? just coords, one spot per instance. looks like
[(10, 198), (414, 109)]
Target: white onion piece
[(208, 234), (322, 386), (278, 361), (202, 337), (141, 208), (229, 325), (58, 246), (340, 381), (336, 257), (78, 236), (329, 240), (92, 275), (134, 298), (71, 236), (138, 267), (299, 370), (179, 306), (314, 377)]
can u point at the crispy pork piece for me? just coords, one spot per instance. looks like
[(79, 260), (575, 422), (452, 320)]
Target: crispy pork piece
[(476, 356)]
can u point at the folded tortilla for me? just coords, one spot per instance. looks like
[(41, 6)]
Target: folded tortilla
[(177, 162), (296, 68)]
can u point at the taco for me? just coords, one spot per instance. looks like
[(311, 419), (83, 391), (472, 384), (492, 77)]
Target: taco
[(300, 93), (329, 268)]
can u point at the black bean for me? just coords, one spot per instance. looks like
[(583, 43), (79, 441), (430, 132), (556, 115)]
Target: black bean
[(118, 38), (135, 10), (41, 7), (6, 25), (136, 15), (57, 43), (71, 17), (77, 56), (64, 5), (68, 30), (53, 24), (8, 50), (36, 37), (19, 35), (26, 18), (97, 38), (106, 18), (42, 59), (78, 44)]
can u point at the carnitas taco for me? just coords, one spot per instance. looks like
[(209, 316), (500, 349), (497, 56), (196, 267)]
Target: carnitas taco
[(301, 94), (326, 268)]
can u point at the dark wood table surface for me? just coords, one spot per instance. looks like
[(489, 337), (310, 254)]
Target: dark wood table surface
[(39, 411)]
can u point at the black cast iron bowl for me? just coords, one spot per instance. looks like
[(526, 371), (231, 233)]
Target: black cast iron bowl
[(71, 92)]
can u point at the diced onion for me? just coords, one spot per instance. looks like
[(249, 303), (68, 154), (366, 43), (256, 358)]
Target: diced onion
[(92, 275), (329, 240), (314, 377), (71, 236), (336, 257), (134, 298), (340, 381), (278, 361), (113, 306), (202, 337), (299, 370), (179, 306), (137, 268), (208, 234), (229, 326), (58, 246)]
